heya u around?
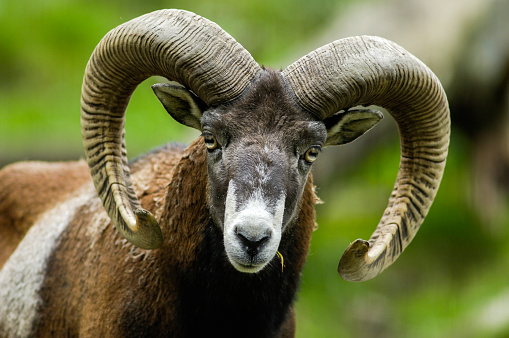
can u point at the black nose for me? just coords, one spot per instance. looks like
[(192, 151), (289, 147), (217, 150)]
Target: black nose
[(252, 243)]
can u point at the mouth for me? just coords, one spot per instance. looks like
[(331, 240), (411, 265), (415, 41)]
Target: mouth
[(247, 260), (246, 267), (246, 257)]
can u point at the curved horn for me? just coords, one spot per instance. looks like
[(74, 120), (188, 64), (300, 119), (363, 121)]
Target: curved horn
[(178, 45), (373, 71)]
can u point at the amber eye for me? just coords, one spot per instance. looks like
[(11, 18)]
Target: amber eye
[(210, 141), (311, 154)]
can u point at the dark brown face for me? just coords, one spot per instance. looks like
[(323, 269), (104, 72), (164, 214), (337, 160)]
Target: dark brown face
[(257, 165), (260, 151)]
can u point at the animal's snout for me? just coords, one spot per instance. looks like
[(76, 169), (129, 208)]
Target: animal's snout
[(253, 241), (252, 229)]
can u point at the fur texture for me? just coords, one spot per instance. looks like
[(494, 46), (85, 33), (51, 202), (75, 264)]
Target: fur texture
[(101, 284)]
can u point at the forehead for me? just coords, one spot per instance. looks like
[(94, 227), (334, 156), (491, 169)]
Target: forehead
[(267, 108)]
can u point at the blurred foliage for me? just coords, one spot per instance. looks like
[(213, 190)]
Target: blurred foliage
[(446, 283)]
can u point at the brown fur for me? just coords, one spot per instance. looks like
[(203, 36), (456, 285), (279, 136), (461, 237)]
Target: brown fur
[(29, 188), (91, 300), (101, 285)]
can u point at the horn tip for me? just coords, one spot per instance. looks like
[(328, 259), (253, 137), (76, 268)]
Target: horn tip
[(352, 265), (149, 235)]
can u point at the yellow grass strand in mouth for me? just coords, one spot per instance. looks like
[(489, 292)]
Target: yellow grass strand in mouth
[(282, 260)]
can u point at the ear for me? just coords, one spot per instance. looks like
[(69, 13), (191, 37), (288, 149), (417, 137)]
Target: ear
[(185, 107), (347, 126)]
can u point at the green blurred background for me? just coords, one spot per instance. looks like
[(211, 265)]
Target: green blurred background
[(453, 280)]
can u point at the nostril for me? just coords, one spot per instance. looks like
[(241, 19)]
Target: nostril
[(252, 242)]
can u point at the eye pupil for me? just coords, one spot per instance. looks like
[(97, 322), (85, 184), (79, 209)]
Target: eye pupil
[(311, 154), (210, 142)]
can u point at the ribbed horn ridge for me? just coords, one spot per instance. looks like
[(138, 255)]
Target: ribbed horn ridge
[(178, 45), (374, 71)]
